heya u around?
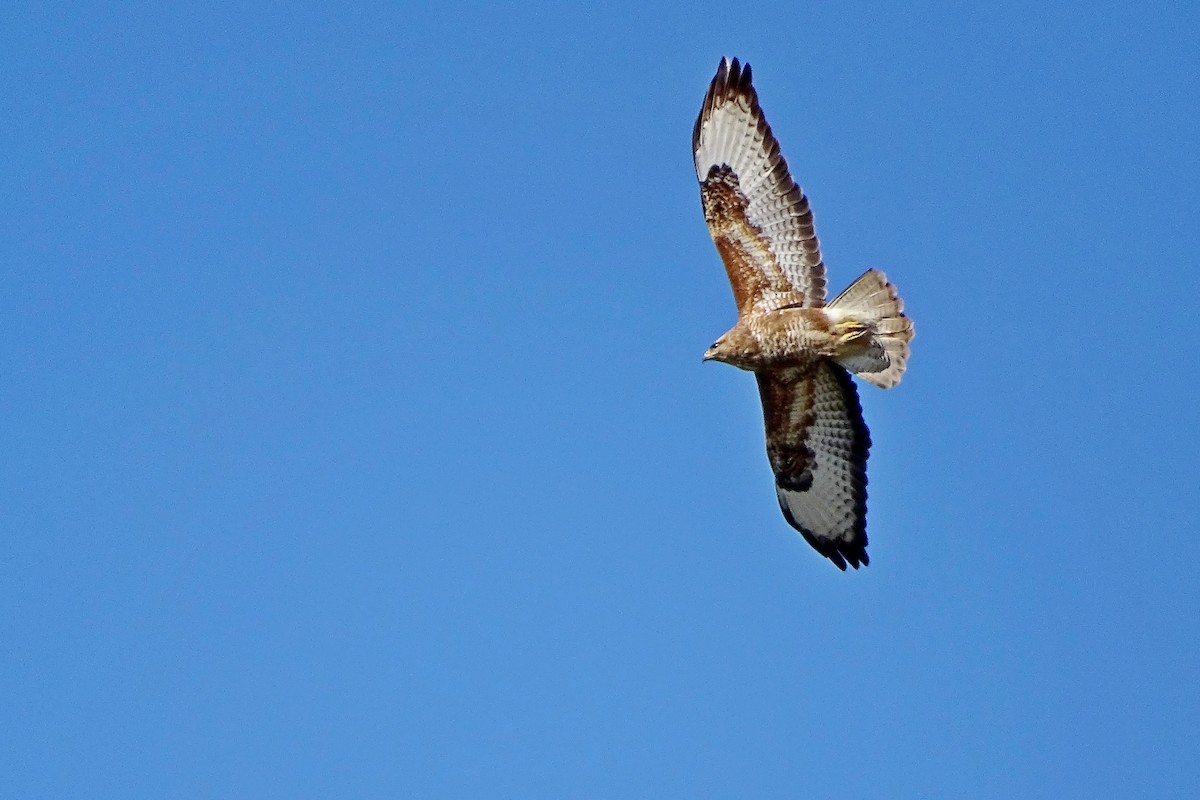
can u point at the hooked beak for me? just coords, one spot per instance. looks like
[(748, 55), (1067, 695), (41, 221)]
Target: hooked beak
[(709, 355)]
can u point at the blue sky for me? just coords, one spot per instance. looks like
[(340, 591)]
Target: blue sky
[(357, 442)]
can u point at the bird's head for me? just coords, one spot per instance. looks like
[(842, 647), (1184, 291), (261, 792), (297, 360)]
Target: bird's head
[(735, 347)]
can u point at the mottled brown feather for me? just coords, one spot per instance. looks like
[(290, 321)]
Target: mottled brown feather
[(787, 403), (752, 268)]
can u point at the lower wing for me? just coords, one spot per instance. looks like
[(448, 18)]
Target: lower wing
[(817, 443)]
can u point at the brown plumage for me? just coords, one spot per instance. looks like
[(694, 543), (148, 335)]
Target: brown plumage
[(801, 350)]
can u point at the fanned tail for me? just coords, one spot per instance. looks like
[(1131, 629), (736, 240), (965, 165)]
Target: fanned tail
[(879, 353)]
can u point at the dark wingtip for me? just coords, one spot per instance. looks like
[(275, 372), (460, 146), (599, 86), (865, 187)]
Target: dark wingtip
[(732, 79), (736, 74), (732, 73), (839, 553)]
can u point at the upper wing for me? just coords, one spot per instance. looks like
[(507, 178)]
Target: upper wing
[(759, 218), (817, 443)]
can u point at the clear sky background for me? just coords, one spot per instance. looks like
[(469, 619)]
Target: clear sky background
[(356, 441)]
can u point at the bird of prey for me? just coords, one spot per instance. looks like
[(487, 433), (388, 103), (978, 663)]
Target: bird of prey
[(801, 349)]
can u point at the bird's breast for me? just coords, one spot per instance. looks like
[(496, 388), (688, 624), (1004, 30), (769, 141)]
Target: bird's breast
[(793, 336)]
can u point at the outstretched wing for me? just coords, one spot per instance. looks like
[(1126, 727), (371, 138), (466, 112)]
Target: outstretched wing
[(817, 443), (758, 217)]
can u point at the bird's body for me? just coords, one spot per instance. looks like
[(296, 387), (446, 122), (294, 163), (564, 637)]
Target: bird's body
[(800, 349), (788, 337)]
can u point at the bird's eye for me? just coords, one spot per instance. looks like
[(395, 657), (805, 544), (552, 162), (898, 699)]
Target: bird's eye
[(714, 346)]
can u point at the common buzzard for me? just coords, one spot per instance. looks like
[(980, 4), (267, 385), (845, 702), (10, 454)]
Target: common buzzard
[(801, 349)]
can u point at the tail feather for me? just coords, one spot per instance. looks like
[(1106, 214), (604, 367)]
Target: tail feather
[(881, 357)]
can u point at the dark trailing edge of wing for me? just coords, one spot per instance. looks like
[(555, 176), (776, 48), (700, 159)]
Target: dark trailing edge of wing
[(838, 552)]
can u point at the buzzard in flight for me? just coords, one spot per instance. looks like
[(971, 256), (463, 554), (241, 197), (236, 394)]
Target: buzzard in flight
[(801, 349)]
